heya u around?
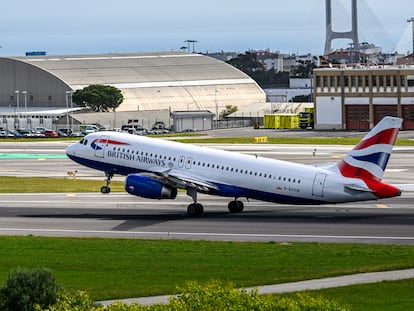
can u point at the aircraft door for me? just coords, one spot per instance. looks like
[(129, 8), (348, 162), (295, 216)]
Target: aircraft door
[(100, 145), (181, 161), (318, 185)]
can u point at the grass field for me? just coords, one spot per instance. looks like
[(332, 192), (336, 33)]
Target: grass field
[(192, 138), (288, 140), (10, 184), (384, 296), (117, 268)]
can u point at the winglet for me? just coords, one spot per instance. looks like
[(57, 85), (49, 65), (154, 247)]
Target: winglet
[(369, 158)]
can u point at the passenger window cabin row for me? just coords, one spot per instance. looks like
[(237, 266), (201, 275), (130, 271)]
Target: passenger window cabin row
[(210, 165)]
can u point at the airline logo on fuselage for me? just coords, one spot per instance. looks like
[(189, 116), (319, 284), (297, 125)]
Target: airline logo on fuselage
[(98, 143), (123, 154)]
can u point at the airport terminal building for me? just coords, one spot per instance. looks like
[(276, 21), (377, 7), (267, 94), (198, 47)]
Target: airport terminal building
[(36, 90)]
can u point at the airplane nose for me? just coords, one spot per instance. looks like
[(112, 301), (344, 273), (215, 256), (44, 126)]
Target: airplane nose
[(70, 150)]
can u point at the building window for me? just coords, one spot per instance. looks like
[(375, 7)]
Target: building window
[(325, 81), (346, 81), (381, 80), (318, 81), (387, 80), (359, 81), (353, 81), (402, 79), (332, 81), (374, 81)]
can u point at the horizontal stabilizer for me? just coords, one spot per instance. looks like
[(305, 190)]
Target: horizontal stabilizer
[(356, 187)]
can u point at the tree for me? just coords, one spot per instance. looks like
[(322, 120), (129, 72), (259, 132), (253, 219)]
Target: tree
[(249, 64), (303, 69), (98, 97), (26, 288), (229, 110)]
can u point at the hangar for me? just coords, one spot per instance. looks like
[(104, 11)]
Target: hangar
[(36, 88)]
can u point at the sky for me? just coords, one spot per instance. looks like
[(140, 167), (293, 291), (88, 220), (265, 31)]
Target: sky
[(130, 26)]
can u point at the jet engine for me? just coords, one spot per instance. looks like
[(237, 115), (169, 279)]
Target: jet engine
[(149, 188)]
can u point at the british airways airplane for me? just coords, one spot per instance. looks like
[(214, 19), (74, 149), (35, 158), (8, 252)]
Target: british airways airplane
[(156, 168)]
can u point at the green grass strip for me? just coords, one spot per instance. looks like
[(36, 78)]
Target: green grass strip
[(9, 184), (384, 296), (117, 268), (288, 140)]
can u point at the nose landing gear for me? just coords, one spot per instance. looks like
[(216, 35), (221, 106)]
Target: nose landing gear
[(106, 189)]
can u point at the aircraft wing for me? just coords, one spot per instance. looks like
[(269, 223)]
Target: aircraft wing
[(180, 180)]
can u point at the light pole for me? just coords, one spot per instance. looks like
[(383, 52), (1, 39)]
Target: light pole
[(67, 111), (215, 101), (17, 110), (411, 20), (25, 107)]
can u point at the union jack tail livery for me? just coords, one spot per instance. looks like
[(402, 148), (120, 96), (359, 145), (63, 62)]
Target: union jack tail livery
[(368, 159)]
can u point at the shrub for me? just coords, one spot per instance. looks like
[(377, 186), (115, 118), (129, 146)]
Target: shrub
[(26, 288), (212, 296)]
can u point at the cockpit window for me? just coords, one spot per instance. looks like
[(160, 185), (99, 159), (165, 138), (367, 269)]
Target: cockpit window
[(81, 141)]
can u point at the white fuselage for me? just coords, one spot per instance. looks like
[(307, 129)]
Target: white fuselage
[(233, 174)]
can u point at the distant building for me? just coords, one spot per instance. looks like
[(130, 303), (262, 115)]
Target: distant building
[(188, 121), (406, 60), (223, 56), (359, 97)]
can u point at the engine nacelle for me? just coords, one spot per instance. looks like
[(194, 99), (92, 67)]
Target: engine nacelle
[(149, 188)]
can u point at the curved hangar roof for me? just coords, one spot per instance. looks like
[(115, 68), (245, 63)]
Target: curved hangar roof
[(170, 80)]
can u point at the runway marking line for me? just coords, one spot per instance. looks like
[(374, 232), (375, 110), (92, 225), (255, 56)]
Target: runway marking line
[(207, 234), (381, 205)]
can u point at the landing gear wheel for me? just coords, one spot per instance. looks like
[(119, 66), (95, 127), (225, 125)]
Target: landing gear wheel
[(235, 206), (195, 209), (105, 189)]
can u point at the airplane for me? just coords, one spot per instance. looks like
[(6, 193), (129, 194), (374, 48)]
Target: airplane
[(156, 168)]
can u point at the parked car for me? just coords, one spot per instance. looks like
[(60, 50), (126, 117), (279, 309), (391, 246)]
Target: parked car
[(67, 131), (39, 130), (51, 133), (6, 134)]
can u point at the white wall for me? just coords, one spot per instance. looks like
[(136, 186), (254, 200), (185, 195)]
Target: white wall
[(328, 112)]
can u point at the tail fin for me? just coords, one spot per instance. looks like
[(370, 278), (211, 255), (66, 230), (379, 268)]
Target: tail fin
[(369, 158)]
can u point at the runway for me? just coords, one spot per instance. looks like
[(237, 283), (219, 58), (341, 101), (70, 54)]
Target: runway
[(122, 215)]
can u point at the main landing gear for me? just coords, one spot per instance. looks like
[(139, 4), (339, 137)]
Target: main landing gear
[(106, 189), (235, 206), (196, 209)]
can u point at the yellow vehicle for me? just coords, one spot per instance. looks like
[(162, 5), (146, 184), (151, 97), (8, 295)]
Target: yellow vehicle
[(306, 120)]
